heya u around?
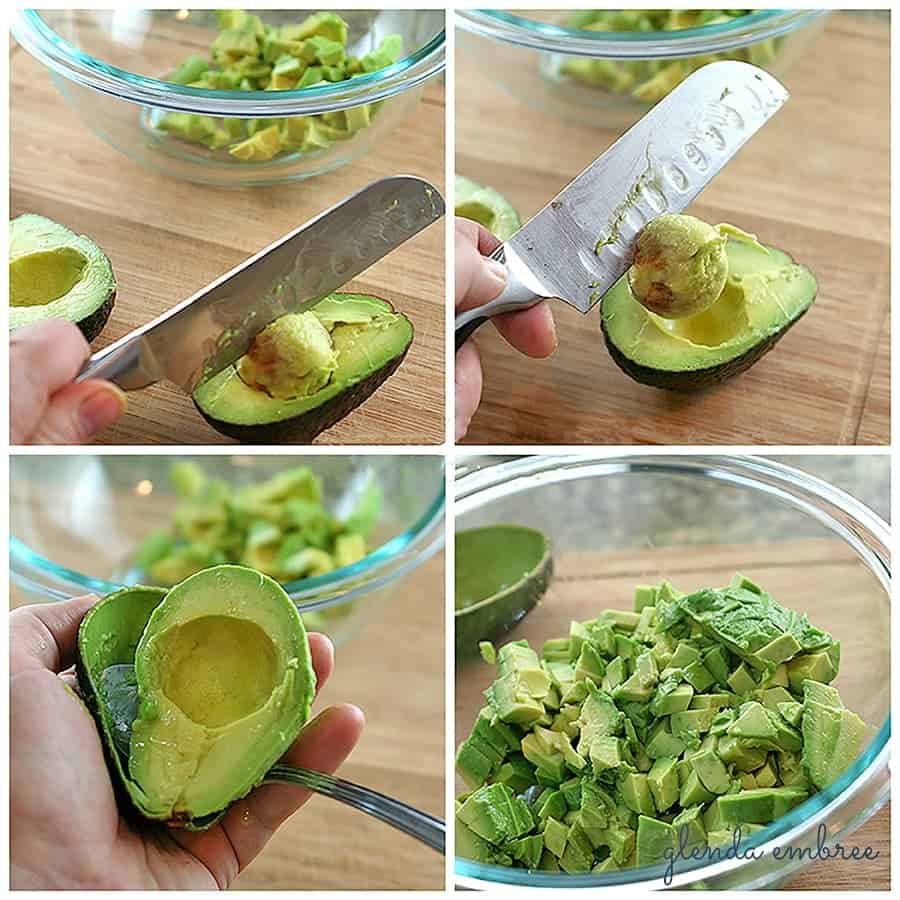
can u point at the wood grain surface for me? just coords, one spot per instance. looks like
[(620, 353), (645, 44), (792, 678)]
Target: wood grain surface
[(168, 238), (819, 576), (394, 671), (814, 181)]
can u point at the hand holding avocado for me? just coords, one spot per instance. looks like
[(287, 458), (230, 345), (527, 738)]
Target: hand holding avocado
[(478, 280), (82, 842), (45, 407)]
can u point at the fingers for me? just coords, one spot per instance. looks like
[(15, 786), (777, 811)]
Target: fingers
[(322, 652), (42, 358), (531, 331), (468, 386), (45, 636), (478, 278), (322, 746), (76, 413)]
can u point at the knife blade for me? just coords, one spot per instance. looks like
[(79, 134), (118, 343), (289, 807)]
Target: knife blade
[(214, 327), (580, 243)]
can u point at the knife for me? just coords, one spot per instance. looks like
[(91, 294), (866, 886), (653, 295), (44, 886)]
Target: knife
[(579, 244), (214, 327)]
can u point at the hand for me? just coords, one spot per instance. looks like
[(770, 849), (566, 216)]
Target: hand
[(67, 831), (478, 280), (44, 406)]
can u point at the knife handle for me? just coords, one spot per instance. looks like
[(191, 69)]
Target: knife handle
[(120, 363), (515, 296)]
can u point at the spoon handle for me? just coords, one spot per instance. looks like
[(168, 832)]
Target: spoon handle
[(420, 825)]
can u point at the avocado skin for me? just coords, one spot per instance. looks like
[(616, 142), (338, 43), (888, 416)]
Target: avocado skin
[(696, 379), (304, 429), (96, 321), (489, 622)]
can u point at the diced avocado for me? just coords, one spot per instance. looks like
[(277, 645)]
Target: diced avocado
[(579, 853), (663, 781), (832, 735), (689, 830), (494, 813), (679, 764), (57, 274), (693, 793), (555, 836), (473, 846), (634, 789), (654, 839), (760, 806), (821, 666), (671, 697), (711, 771), (527, 850), (737, 752)]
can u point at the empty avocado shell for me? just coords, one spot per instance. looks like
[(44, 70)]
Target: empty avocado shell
[(197, 690), (502, 571)]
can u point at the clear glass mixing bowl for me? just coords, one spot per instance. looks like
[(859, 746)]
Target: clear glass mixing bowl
[(527, 53), (76, 521), (111, 65), (618, 521)]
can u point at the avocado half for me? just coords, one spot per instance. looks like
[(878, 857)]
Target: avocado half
[(501, 573), (487, 207), (57, 274), (766, 293), (371, 340), (197, 690)]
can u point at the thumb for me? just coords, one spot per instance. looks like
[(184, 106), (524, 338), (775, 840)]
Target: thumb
[(478, 278), (78, 412)]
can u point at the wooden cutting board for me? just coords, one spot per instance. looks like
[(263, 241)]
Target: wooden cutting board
[(167, 238), (815, 575), (815, 181)]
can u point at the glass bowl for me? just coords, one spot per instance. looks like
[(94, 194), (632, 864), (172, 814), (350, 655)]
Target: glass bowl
[(76, 521), (618, 521), (111, 66), (591, 76)]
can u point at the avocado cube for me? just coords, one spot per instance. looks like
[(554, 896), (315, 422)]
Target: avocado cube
[(527, 850), (671, 697), (664, 785), (689, 830), (552, 806), (606, 753), (741, 681), (634, 789), (711, 771), (578, 855), (655, 840), (693, 793), (644, 596), (555, 836)]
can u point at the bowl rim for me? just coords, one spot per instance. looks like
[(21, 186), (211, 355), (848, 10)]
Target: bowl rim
[(65, 59), (783, 482), (715, 38), (384, 565)]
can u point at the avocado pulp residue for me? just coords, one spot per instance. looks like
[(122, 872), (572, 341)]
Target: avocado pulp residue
[(44, 276), (642, 732), (218, 669)]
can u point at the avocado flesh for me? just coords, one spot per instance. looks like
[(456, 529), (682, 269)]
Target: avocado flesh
[(370, 341), (224, 682), (57, 274), (654, 740), (502, 571), (487, 207), (765, 294)]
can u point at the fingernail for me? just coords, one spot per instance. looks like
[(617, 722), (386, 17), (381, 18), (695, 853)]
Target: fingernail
[(497, 269), (555, 336), (102, 407)]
